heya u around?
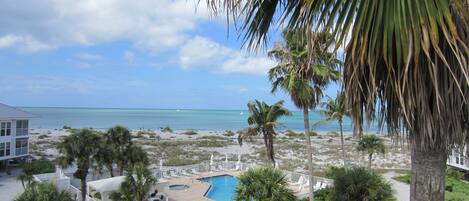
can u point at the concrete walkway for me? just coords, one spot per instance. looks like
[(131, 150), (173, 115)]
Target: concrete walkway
[(401, 190), (9, 186)]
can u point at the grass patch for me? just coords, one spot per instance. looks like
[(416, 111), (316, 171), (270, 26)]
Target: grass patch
[(456, 188), (189, 132)]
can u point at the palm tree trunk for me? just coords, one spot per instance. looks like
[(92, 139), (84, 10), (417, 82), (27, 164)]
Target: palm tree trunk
[(309, 151), (110, 169), (342, 141), (370, 157), (427, 174), (271, 145), (83, 189)]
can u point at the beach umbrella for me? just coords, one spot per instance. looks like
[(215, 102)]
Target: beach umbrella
[(161, 164), (211, 159), (226, 158), (239, 158)]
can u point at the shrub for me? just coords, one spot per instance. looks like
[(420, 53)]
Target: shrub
[(189, 132), (38, 167), (97, 195), (166, 129), (42, 136), (66, 127), (263, 183), (454, 174), (323, 194), (359, 184), (229, 133), (43, 192)]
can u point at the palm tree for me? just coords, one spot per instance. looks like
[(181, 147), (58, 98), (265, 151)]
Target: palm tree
[(120, 139), (43, 192), (303, 77), (25, 179), (79, 148), (263, 120), (371, 144), (335, 111), (263, 183), (136, 185), (359, 184), (106, 155), (405, 59)]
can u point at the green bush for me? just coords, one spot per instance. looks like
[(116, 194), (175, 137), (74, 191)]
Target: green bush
[(166, 129), (263, 183), (38, 167), (43, 192), (454, 174), (323, 194), (97, 195), (229, 133), (359, 184), (189, 132)]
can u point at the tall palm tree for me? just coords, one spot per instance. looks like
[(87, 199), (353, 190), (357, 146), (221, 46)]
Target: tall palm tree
[(79, 148), (335, 111), (106, 155), (120, 139), (263, 120), (406, 59), (371, 144), (136, 185), (302, 76), (263, 183)]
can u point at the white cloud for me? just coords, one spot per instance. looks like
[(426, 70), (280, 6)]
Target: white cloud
[(22, 43), (200, 52), (154, 25), (89, 57), (83, 65), (129, 57)]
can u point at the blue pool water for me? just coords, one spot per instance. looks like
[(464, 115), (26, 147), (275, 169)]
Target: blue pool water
[(223, 187)]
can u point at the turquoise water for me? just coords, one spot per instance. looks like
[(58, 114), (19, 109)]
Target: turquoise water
[(223, 187), (155, 118)]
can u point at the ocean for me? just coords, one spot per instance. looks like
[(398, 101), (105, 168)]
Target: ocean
[(177, 119)]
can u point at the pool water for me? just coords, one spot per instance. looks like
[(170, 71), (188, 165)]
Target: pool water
[(223, 187)]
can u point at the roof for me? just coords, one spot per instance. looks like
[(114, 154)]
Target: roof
[(107, 185), (11, 112)]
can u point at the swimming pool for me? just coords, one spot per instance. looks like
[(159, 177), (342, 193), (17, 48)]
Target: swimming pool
[(223, 187)]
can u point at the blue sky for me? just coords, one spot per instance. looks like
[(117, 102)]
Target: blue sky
[(110, 53)]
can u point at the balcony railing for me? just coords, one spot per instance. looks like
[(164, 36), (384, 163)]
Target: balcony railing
[(21, 131)]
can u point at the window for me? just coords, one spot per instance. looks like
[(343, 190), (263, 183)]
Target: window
[(2, 149), (5, 128), (21, 146), (7, 149), (21, 127)]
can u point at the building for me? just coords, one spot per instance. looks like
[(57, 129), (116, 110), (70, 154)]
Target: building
[(14, 134), (458, 159)]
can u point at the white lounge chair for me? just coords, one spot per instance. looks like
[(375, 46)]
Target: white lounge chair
[(299, 182), (194, 171), (173, 173), (165, 175)]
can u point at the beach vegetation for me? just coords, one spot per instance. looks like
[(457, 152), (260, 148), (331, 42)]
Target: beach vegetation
[(137, 184), (228, 133), (190, 132), (263, 183), (166, 129), (403, 68), (35, 167), (263, 120), (43, 192), (65, 127), (303, 73), (356, 184), (80, 149), (371, 144), (455, 187)]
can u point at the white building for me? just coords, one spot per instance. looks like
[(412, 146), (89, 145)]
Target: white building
[(458, 159), (14, 133)]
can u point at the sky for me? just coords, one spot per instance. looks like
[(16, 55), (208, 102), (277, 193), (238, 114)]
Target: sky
[(127, 54)]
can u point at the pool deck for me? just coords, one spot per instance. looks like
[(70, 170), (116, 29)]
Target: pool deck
[(197, 189)]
